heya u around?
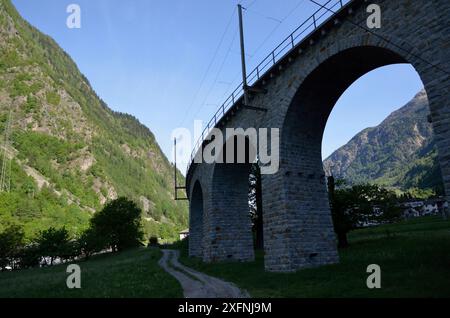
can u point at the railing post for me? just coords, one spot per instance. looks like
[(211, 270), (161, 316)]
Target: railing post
[(273, 57), (315, 23), (292, 40), (257, 71)]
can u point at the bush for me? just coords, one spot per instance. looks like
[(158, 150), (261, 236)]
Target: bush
[(53, 98), (359, 205), (31, 104), (53, 243), (70, 251), (91, 242), (153, 241), (119, 223), (11, 240), (29, 256)]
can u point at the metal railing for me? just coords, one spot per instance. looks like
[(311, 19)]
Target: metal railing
[(284, 48)]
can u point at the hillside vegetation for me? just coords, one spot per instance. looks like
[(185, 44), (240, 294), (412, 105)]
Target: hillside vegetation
[(69, 153)]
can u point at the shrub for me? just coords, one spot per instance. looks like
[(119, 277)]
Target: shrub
[(353, 207), (70, 251), (11, 240), (53, 98), (119, 223), (53, 243), (91, 242), (153, 241), (29, 256), (31, 104)]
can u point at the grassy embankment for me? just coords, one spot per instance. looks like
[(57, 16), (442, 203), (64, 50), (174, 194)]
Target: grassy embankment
[(133, 273), (414, 257)]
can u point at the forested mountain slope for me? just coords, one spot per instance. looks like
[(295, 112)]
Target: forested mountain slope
[(398, 153), (69, 153)]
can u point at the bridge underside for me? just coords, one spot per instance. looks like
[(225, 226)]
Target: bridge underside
[(298, 229)]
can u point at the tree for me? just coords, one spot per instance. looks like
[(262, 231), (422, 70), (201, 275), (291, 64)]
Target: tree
[(53, 243), (29, 256), (359, 205), (90, 242), (153, 241), (11, 240), (255, 203), (119, 223)]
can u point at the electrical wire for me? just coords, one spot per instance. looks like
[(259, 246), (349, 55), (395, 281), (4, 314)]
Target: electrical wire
[(208, 68), (277, 27), (237, 76), (384, 39), (218, 74)]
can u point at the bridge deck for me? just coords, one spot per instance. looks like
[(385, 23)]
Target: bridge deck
[(290, 46)]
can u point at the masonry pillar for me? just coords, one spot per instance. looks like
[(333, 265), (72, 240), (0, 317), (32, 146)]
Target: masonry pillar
[(196, 222), (439, 98), (298, 228), (228, 229)]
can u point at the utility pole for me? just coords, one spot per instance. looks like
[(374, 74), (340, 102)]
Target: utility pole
[(244, 70), (176, 186), (175, 167)]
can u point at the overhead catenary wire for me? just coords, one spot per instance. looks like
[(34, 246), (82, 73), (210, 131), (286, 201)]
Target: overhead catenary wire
[(381, 37), (223, 64), (436, 66), (218, 74), (250, 4), (228, 84), (205, 76), (262, 15), (261, 45), (208, 69), (277, 27)]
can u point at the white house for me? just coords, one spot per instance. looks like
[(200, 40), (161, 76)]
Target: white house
[(416, 208), (184, 234)]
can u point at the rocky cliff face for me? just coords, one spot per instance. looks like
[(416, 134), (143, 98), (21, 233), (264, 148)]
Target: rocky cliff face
[(399, 153), (69, 153)]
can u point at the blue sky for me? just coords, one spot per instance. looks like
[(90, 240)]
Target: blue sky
[(150, 58)]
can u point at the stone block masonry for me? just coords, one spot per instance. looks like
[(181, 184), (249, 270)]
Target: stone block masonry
[(299, 94)]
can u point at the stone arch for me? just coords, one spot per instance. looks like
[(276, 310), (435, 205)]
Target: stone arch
[(315, 98), (303, 233), (196, 221), (297, 225), (230, 234)]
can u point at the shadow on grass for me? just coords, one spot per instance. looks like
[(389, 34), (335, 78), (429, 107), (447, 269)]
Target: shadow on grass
[(414, 259), (132, 273)]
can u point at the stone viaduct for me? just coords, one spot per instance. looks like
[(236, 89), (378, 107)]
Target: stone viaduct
[(298, 93)]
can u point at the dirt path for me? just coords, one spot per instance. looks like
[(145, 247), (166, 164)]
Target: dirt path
[(196, 284)]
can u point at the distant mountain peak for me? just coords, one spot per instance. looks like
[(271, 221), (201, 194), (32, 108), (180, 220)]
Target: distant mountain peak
[(399, 153)]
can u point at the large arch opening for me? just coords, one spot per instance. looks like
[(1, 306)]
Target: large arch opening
[(301, 147), (196, 220), (389, 139)]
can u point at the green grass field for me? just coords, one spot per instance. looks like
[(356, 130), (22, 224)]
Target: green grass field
[(414, 257), (133, 273)]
